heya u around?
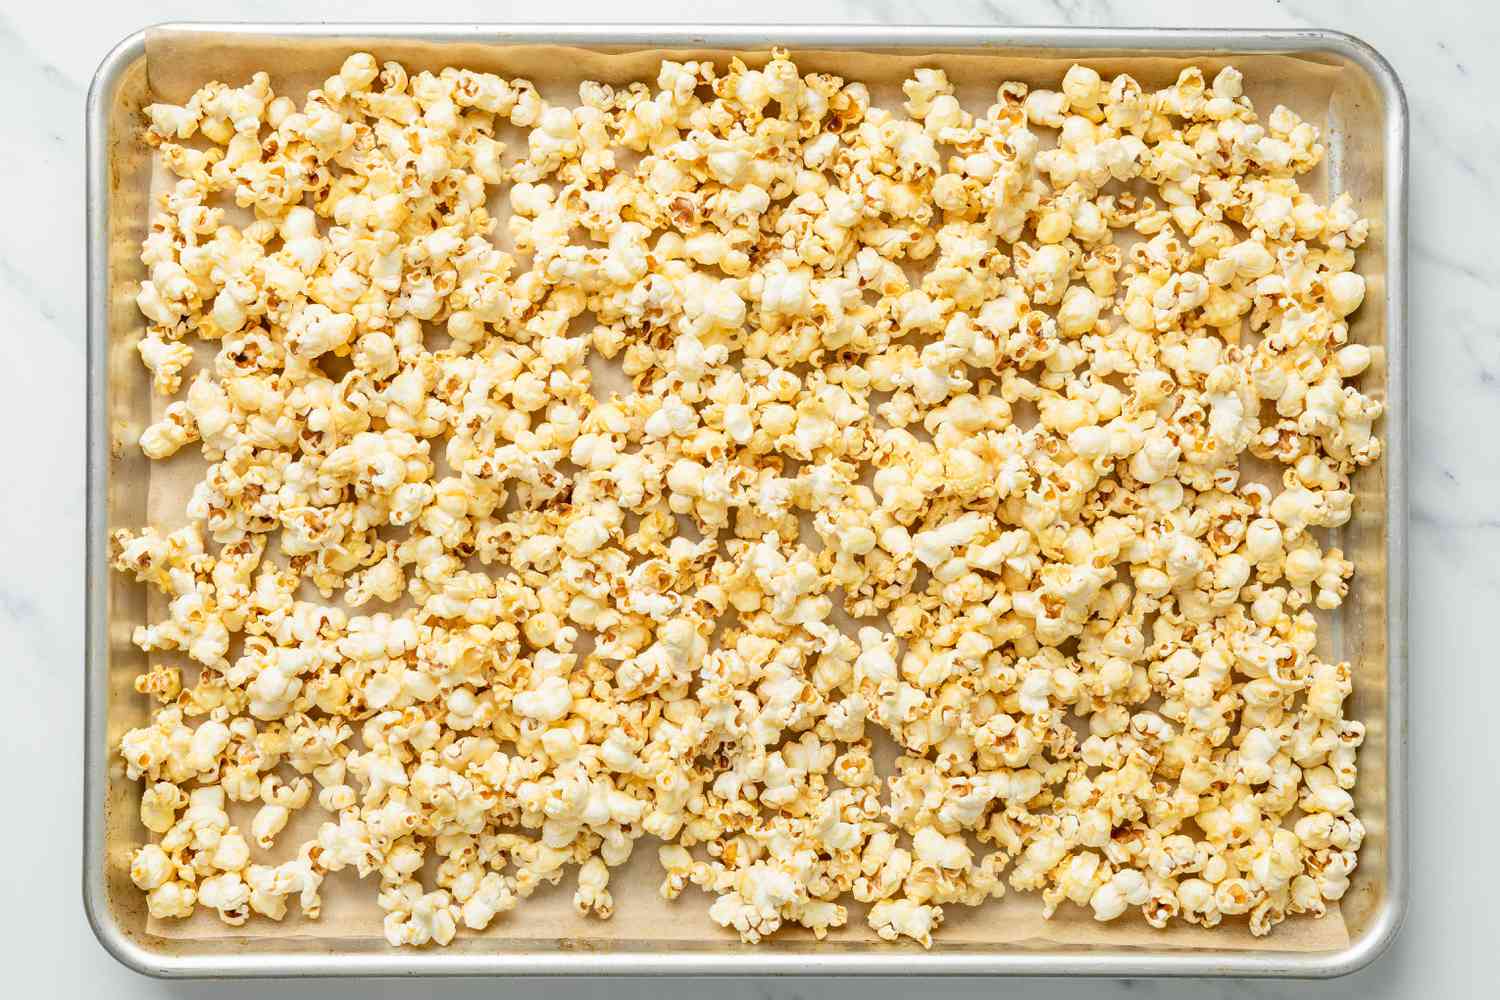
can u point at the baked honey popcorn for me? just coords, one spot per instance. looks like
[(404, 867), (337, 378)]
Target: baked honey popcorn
[(930, 436)]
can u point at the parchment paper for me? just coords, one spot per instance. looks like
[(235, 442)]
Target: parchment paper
[(178, 62)]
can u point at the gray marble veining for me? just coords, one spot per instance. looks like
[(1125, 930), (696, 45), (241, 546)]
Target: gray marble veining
[(1445, 54)]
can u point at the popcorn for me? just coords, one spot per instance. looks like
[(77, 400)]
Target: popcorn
[(1020, 449), (151, 867), (592, 896), (547, 702), (268, 822), (228, 894), (171, 900), (160, 804), (896, 918), (1128, 887), (1346, 291)]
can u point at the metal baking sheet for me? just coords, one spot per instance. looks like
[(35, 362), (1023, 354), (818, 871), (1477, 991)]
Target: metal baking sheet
[(1363, 115)]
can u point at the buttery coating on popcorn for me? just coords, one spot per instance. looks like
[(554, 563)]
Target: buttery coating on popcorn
[(933, 437)]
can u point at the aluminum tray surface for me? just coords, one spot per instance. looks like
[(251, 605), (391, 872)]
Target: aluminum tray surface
[(1366, 133)]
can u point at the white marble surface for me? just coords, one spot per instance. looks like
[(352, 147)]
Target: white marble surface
[(1443, 49)]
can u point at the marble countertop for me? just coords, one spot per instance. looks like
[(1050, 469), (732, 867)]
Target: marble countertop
[(1442, 51)]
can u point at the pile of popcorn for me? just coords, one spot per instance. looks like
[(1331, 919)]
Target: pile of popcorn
[(928, 447)]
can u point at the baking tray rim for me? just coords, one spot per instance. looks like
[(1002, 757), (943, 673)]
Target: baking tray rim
[(1384, 925)]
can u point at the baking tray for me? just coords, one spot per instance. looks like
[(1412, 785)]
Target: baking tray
[(1365, 128)]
